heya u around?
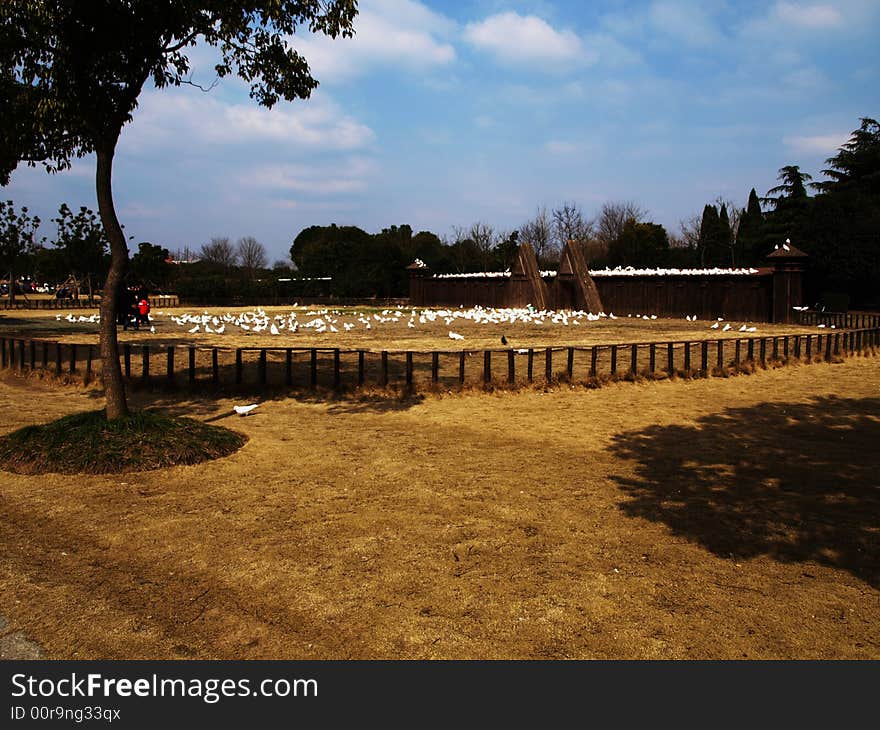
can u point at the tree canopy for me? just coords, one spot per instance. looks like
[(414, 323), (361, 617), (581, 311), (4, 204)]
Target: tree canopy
[(71, 73)]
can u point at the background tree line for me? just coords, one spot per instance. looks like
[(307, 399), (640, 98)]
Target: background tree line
[(838, 227)]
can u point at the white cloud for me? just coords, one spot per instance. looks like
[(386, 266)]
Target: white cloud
[(808, 16), (400, 34), (340, 178), (175, 118), (526, 39), (822, 144), (685, 21)]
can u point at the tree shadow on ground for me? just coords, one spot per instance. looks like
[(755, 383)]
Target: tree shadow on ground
[(795, 481), (205, 402)]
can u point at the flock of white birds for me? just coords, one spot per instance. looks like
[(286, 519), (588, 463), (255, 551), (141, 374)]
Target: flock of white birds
[(332, 321)]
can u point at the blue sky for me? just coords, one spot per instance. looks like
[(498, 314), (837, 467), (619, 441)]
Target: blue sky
[(440, 114)]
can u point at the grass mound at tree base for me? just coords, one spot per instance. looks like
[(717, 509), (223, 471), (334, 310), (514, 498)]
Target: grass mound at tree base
[(87, 443)]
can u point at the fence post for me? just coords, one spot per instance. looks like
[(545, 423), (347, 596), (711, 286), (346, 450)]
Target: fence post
[(192, 365), (72, 363), (45, 349), (361, 368), (704, 357), (409, 369), (670, 358), (58, 355), (435, 367), (569, 366), (764, 352), (797, 347), (21, 355), (487, 366), (239, 366), (313, 368), (720, 353), (215, 367), (337, 378), (634, 358), (751, 349), (32, 354), (170, 372), (145, 358), (530, 365), (809, 348), (594, 358), (461, 357), (737, 352), (687, 358), (261, 366), (548, 364), (828, 346), (88, 363), (837, 343), (511, 367), (652, 357), (614, 359)]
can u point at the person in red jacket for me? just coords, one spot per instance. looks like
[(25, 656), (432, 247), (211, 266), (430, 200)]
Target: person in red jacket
[(143, 309)]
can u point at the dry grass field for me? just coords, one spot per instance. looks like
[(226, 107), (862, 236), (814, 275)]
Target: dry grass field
[(714, 518), (389, 332)]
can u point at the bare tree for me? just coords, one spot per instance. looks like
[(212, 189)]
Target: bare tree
[(252, 254), (484, 237), (570, 224), (537, 232), (220, 251), (689, 235), (613, 217)]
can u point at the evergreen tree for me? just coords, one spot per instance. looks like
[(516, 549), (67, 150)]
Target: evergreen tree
[(750, 234), (725, 238), (789, 203), (712, 245)]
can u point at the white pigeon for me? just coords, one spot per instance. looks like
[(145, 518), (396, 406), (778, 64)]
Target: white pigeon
[(714, 326), (725, 328), (455, 336), (244, 410), (194, 330), (152, 330), (742, 329), (273, 329)]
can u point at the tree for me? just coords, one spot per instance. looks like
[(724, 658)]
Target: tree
[(789, 203), (750, 233), (841, 226), (17, 238), (151, 265), (612, 218), (220, 252), (537, 232), (83, 244), (570, 224), (792, 188), (725, 237), (642, 245), (72, 73), (251, 254), (856, 166)]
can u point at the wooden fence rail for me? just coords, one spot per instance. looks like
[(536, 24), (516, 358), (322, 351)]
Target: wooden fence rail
[(257, 368)]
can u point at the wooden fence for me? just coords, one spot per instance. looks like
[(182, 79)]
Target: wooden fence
[(851, 320), (157, 301), (258, 369)]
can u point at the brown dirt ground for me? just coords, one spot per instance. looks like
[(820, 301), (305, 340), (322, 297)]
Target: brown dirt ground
[(389, 335), (715, 518)]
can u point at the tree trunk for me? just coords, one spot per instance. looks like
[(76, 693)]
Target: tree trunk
[(111, 372)]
